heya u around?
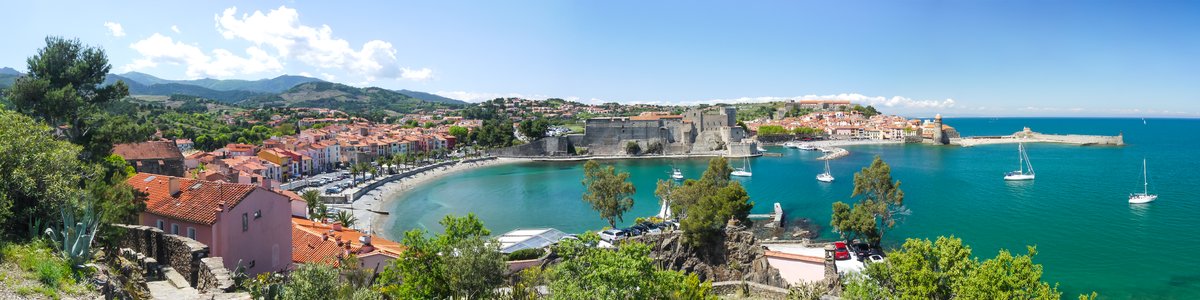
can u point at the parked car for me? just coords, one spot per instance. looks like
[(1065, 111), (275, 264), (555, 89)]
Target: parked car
[(613, 235), (840, 251), (652, 228), (862, 250), (874, 258), (333, 190)]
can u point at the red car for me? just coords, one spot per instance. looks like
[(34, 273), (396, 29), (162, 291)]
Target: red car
[(841, 252)]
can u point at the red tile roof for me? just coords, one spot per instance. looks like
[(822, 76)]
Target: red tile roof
[(197, 200), (317, 242), (148, 150)]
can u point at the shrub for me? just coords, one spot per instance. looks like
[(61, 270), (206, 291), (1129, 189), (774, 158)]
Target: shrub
[(525, 254), (632, 148)]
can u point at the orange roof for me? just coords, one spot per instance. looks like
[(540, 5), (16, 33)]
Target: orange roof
[(197, 201), (317, 242)]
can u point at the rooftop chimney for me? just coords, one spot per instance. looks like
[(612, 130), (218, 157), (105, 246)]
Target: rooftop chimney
[(337, 226), (365, 239), (173, 185)]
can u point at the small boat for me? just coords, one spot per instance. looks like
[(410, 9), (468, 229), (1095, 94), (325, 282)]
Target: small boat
[(761, 149), (807, 147), (676, 174), (744, 171), (825, 177), (792, 145), (1023, 163), (1145, 196)]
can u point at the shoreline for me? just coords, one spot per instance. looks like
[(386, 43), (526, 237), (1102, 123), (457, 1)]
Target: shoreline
[(365, 207)]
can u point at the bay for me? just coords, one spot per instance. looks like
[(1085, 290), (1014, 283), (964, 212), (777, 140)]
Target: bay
[(1088, 237)]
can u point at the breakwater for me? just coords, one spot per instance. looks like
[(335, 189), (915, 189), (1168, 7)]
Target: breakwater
[(1029, 136)]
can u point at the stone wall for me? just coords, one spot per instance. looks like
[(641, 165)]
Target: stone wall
[(187, 256), (549, 146)]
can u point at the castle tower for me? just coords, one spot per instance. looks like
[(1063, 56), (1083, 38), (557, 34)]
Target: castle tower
[(939, 135)]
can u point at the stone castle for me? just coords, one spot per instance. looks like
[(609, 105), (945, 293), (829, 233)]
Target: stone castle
[(711, 130)]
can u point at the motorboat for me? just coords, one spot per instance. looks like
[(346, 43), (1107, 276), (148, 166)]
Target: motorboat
[(1024, 166), (792, 145), (676, 174), (1145, 196), (807, 147), (825, 177)]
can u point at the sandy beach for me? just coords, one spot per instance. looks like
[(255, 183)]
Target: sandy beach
[(364, 208)]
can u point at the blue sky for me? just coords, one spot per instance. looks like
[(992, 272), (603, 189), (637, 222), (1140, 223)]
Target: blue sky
[(1001, 58)]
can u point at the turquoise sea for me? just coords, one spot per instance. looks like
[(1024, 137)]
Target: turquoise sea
[(1076, 212)]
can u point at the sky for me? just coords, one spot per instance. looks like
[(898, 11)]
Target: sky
[(957, 58)]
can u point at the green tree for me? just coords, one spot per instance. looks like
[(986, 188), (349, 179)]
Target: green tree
[(632, 148), (945, 269), (608, 192), (313, 199), (705, 206), (38, 173), (346, 218), (63, 90), (766, 130), (878, 197), (627, 273), (460, 133), (459, 263), (310, 281), (534, 129)]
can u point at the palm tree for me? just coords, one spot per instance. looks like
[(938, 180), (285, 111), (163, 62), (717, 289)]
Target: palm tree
[(346, 218), (321, 212), (313, 197)]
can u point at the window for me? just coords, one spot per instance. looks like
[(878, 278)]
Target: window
[(257, 214), (191, 231), (160, 225), (175, 229), (245, 222)]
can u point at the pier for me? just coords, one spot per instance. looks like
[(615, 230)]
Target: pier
[(1029, 136), (776, 218)]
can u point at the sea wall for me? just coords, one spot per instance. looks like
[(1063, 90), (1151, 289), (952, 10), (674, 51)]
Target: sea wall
[(548, 146), (1028, 136), (608, 136)]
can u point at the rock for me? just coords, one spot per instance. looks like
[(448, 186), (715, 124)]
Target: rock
[(741, 258)]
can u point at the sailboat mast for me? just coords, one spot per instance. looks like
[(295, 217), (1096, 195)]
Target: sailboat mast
[(1145, 179)]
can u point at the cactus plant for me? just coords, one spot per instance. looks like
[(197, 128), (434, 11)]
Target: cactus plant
[(74, 242)]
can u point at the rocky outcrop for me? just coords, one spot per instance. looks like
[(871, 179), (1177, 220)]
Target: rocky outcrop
[(740, 259)]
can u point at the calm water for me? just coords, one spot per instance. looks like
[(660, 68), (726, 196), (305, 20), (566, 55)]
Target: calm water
[(1088, 236)]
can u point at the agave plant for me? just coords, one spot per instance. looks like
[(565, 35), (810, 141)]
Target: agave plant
[(74, 242), (346, 218)]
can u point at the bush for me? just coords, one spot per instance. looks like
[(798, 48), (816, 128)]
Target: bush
[(632, 148), (36, 257), (525, 254)]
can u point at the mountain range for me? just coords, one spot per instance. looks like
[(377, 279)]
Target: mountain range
[(285, 90)]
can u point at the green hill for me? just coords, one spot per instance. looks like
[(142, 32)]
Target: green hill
[(167, 89), (346, 98), (273, 85), (431, 97)]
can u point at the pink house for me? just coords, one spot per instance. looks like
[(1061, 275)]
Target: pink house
[(238, 222)]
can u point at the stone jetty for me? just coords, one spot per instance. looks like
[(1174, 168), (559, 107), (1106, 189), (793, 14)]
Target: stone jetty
[(1029, 136)]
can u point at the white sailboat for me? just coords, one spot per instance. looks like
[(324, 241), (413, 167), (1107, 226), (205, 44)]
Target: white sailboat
[(676, 174), (825, 177), (1020, 173), (1144, 196), (744, 171), (807, 147)]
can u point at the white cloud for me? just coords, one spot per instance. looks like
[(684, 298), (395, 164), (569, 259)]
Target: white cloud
[(306, 74), (115, 29), (281, 30), (175, 28), (158, 49), (420, 74), (328, 77)]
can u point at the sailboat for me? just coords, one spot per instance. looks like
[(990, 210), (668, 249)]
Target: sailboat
[(676, 174), (1024, 163), (744, 171), (1145, 195), (825, 177)]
